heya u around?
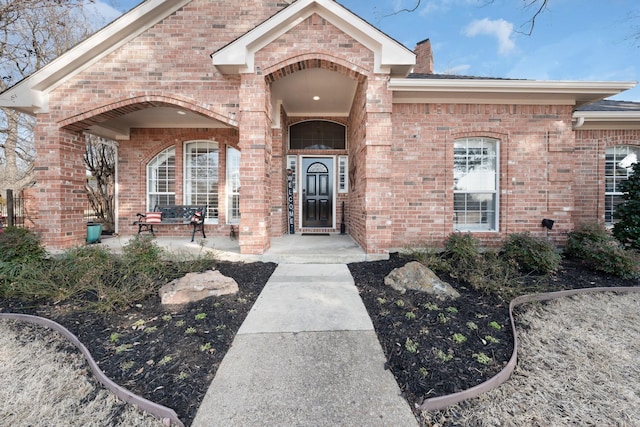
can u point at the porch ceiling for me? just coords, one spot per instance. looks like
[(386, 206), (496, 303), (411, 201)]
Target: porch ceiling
[(296, 92), (117, 123)]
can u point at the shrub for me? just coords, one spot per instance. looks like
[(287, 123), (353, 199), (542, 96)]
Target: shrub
[(143, 255), (627, 229), (462, 252), (594, 244), (22, 260), (20, 245), (531, 254)]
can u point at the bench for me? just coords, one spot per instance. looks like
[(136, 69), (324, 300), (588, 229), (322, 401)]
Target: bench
[(190, 215)]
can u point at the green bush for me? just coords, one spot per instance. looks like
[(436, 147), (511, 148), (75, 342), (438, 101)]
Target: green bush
[(627, 228), (143, 255), (594, 244), (462, 252), (531, 255), (20, 245), (22, 261)]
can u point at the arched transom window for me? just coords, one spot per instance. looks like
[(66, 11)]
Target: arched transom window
[(317, 135)]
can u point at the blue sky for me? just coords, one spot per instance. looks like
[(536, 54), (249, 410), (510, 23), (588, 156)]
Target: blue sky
[(589, 40)]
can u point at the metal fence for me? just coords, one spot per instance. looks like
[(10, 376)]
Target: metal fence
[(12, 210)]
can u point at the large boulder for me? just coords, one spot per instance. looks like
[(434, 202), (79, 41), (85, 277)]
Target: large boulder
[(417, 277), (197, 286)]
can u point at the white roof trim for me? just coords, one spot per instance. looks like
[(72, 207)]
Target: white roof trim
[(606, 120), (238, 56), (31, 94), (496, 90)]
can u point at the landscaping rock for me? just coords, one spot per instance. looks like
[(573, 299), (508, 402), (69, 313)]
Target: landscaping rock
[(197, 286), (417, 277)]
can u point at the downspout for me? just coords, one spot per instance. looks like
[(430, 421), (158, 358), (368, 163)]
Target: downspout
[(579, 122)]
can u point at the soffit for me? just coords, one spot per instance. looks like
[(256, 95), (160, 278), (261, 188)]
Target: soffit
[(390, 56), (491, 91)]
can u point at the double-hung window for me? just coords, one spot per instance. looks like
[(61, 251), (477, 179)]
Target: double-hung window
[(201, 177), (618, 161), (475, 174), (161, 179)]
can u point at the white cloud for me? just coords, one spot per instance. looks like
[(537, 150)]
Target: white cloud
[(499, 28)]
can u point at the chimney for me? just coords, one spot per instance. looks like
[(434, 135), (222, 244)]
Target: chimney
[(424, 58)]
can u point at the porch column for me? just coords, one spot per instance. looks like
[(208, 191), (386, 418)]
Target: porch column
[(255, 147), (378, 167), (60, 193)]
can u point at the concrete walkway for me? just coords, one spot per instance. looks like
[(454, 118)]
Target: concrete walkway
[(306, 355)]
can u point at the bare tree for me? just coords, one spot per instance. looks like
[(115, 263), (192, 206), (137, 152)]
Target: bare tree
[(32, 33), (100, 159)]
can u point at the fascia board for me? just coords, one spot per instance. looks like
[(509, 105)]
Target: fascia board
[(580, 92), (238, 56), (608, 116), (28, 94)]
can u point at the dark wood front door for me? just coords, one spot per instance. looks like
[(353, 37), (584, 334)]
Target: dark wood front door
[(317, 192)]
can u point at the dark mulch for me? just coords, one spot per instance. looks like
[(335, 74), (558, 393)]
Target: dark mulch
[(171, 356), (421, 349)]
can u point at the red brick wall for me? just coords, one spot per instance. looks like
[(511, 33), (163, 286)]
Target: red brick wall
[(589, 174), (536, 168)]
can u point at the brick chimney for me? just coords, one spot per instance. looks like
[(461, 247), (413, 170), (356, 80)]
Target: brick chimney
[(424, 58)]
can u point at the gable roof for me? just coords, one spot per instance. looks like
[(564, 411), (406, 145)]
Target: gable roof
[(608, 114), (30, 95), (390, 56)]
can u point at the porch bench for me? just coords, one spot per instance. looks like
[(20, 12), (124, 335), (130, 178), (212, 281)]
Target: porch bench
[(190, 215)]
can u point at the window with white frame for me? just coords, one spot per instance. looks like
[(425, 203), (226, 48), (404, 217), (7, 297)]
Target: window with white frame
[(475, 174), (161, 179), (201, 177), (343, 174), (618, 161), (292, 162), (233, 186)]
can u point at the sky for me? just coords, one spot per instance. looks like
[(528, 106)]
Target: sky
[(583, 40)]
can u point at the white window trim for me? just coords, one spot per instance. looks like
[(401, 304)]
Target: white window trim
[(496, 192), (607, 194), (185, 154), (343, 174), (166, 154), (230, 192)]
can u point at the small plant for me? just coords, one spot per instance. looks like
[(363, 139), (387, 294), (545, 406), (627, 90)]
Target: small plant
[(451, 310), (114, 337), (424, 331), (167, 317), (205, 347), (165, 360), (200, 316), (482, 358), (443, 318), (183, 375), (123, 347), (441, 355), (381, 301), (125, 366), (531, 254), (242, 300), (431, 306), (150, 329), (138, 324), (400, 303), (495, 325), (459, 338), (424, 373), (410, 315), (594, 244), (180, 323), (411, 346), (492, 340), (472, 325), (190, 330)]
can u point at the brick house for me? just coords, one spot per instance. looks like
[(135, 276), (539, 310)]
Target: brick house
[(220, 102)]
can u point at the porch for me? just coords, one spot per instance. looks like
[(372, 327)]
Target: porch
[(289, 249)]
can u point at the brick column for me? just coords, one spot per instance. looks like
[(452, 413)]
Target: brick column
[(379, 202), (60, 193), (255, 148)]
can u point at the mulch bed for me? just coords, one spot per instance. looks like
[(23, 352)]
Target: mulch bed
[(170, 356)]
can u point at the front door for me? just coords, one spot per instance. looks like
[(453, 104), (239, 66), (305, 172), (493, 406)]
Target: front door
[(317, 192)]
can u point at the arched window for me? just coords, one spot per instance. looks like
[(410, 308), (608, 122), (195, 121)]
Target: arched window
[(161, 179), (201, 176), (317, 135), (475, 176), (618, 161)]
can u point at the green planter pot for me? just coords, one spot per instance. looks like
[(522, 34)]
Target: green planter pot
[(93, 232)]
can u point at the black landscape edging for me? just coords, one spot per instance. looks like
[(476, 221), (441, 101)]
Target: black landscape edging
[(167, 415), (441, 402)]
